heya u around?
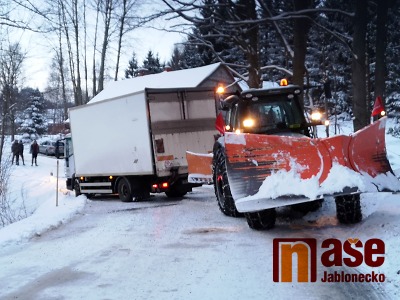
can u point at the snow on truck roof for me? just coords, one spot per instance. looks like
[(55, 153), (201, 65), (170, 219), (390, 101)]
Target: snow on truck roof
[(188, 78)]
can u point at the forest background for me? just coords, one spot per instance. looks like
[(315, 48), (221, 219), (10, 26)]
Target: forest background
[(344, 53)]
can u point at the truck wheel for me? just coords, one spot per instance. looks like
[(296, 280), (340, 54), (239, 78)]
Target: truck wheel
[(221, 185), (125, 190), (261, 220), (77, 189), (348, 209)]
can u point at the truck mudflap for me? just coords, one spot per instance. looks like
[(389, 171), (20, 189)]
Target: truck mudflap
[(199, 167), (266, 171)]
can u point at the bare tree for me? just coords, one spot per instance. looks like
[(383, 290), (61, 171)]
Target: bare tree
[(69, 11), (127, 22), (11, 60)]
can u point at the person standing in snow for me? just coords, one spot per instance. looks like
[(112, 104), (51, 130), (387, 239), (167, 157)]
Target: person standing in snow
[(21, 151), (15, 152), (34, 151)]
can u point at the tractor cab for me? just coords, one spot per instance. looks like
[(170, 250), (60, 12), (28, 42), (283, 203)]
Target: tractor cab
[(265, 111)]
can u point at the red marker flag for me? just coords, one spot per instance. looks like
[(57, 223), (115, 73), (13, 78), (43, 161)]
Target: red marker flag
[(378, 107), (220, 123)]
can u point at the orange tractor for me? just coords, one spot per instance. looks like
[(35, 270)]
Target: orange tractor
[(268, 157)]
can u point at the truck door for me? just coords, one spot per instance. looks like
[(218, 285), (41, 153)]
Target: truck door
[(181, 120)]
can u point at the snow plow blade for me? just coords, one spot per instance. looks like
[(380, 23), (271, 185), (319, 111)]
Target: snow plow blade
[(267, 171), (199, 167)]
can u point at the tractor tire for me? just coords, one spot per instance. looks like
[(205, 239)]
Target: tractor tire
[(307, 207), (221, 185), (261, 220), (348, 209), (125, 190)]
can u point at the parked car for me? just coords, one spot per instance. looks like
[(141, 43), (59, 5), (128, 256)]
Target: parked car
[(49, 147)]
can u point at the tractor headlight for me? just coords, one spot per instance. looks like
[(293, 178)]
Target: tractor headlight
[(248, 123), (316, 116)]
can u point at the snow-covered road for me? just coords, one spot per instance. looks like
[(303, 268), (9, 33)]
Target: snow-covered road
[(163, 249)]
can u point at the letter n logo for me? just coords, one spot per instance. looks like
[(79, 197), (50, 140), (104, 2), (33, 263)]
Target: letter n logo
[(295, 256)]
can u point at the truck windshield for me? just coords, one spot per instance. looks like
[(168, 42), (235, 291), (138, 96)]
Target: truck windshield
[(271, 115)]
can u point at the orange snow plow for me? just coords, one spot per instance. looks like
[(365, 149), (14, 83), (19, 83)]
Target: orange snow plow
[(199, 167), (252, 158)]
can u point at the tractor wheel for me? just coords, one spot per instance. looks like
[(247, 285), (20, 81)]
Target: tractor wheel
[(308, 206), (221, 185), (261, 220), (125, 190), (348, 209)]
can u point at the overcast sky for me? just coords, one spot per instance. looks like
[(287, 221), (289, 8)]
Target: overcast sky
[(39, 56)]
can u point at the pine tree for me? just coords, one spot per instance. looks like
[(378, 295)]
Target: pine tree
[(152, 63), (132, 70), (176, 60), (191, 55), (392, 61), (34, 121)]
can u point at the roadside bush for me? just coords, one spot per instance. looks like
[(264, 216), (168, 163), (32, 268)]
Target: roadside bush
[(10, 211)]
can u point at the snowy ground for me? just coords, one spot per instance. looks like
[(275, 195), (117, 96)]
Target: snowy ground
[(171, 250)]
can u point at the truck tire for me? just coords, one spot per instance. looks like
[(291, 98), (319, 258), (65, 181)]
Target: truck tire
[(125, 190), (221, 185), (348, 209), (174, 193), (261, 220), (77, 189)]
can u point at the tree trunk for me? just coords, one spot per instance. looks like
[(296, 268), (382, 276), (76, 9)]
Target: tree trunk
[(300, 32), (381, 43), (106, 37), (252, 53), (94, 77), (360, 109), (120, 35), (78, 93)]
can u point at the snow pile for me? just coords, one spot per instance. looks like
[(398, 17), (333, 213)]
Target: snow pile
[(32, 195), (46, 217), (285, 183)]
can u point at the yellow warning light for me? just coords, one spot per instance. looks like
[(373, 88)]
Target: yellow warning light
[(110, 177), (220, 89), (283, 82)]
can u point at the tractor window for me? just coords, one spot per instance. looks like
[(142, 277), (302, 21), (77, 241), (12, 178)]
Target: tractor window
[(271, 115)]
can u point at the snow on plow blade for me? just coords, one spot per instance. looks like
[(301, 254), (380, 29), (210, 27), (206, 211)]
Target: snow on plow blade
[(199, 167), (266, 171)]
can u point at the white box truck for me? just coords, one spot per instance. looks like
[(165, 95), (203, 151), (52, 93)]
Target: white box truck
[(136, 144)]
